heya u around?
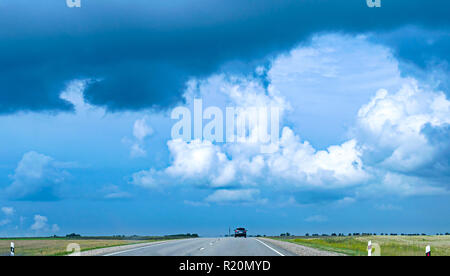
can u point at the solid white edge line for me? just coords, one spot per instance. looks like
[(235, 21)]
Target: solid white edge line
[(133, 249), (270, 248)]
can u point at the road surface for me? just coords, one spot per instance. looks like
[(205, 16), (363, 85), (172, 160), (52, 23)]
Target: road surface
[(207, 247)]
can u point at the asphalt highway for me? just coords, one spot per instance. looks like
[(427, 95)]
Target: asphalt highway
[(207, 247)]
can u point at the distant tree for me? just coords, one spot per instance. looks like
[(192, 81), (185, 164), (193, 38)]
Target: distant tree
[(282, 234), (73, 235), (307, 235)]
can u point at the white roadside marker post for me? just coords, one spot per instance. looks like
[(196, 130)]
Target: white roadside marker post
[(369, 248), (12, 249), (428, 251)]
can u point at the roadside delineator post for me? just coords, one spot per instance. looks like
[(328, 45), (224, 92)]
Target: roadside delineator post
[(12, 249), (369, 248), (428, 251)]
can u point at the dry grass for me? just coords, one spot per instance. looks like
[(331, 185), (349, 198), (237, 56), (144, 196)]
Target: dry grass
[(410, 245), (55, 247), (389, 245)]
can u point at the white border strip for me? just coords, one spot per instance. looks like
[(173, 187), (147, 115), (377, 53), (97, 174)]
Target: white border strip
[(270, 248)]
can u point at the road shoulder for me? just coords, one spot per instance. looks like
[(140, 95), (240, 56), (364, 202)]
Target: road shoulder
[(300, 250), (116, 249)]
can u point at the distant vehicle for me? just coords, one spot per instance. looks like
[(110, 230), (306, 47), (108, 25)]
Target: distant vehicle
[(240, 232)]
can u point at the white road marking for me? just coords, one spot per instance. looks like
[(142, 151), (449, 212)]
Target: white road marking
[(133, 249), (138, 248), (270, 248)]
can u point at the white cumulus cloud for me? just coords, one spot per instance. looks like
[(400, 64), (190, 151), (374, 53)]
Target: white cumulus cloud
[(229, 196), (38, 176), (8, 211), (389, 143), (393, 122), (141, 129), (144, 179), (41, 225)]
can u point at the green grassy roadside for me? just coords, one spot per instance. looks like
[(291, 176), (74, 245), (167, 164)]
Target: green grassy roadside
[(389, 245), (57, 246), (347, 246)]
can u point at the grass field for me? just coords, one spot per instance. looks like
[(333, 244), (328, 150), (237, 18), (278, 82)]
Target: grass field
[(389, 245), (57, 246)]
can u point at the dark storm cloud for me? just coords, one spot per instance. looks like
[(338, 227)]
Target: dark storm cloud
[(419, 45), (141, 52), (439, 137), (421, 51)]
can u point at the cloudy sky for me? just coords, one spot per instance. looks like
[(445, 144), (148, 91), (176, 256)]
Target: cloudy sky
[(86, 96)]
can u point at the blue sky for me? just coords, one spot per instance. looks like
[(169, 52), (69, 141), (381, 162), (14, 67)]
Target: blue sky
[(86, 96)]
